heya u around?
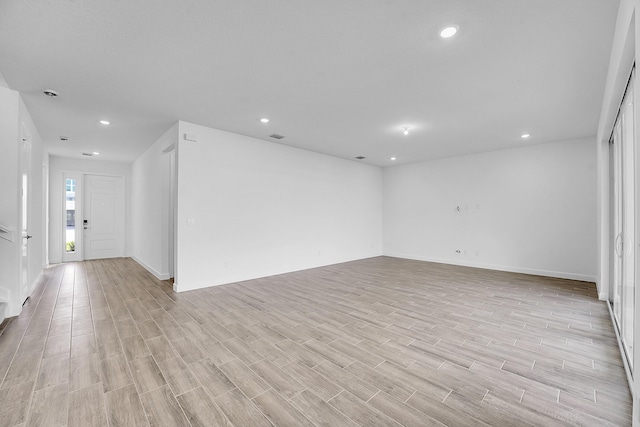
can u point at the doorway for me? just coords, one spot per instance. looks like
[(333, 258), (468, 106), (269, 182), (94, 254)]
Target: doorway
[(92, 216)]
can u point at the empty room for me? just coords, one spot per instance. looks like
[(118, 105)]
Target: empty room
[(303, 213)]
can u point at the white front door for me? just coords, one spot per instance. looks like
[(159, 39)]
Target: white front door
[(103, 218)]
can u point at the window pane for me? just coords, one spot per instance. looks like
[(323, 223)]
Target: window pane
[(70, 201)]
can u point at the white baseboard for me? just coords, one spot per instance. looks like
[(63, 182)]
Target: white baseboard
[(523, 270), (158, 275), (180, 286)]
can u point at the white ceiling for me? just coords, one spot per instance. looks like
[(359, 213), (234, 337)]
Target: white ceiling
[(337, 77)]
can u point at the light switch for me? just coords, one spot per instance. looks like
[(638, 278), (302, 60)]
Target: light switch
[(191, 221)]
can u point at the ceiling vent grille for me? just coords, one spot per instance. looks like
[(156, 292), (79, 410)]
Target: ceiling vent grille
[(276, 136)]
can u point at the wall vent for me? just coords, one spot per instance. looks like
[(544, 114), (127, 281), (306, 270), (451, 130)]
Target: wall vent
[(361, 157), (276, 136)]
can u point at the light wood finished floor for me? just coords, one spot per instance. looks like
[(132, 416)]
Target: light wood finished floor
[(377, 342)]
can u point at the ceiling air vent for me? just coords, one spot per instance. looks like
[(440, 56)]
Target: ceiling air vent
[(88, 154), (361, 157), (276, 136)]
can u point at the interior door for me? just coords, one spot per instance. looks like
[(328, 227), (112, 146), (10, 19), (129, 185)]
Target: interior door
[(103, 222), (25, 171)]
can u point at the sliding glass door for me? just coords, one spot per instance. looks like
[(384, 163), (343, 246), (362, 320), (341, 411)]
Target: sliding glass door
[(623, 211)]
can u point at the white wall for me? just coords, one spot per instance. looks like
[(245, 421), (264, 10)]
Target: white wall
[(56, 196), (530, 209), (150, 206), (260, 208)]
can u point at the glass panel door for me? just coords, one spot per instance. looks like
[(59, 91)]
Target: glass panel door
[(623, 211), (628, 221), (616, 219)]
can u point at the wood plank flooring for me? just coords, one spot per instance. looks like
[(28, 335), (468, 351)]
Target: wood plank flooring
[(376, 342)]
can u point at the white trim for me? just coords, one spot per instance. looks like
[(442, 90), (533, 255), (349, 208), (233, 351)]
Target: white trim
[(181, 287), (159, 276), (523, 270)]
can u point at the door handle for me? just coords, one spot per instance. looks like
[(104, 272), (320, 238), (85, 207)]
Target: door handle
[(618, 245), (29, 237)]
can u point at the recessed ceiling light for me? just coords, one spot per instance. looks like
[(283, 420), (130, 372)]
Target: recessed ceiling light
[(525, 136), (360, 157), (95, 153), (51, 93), (264, 120), (393, 158), (449, 31), (104, 122), (405, 130)]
